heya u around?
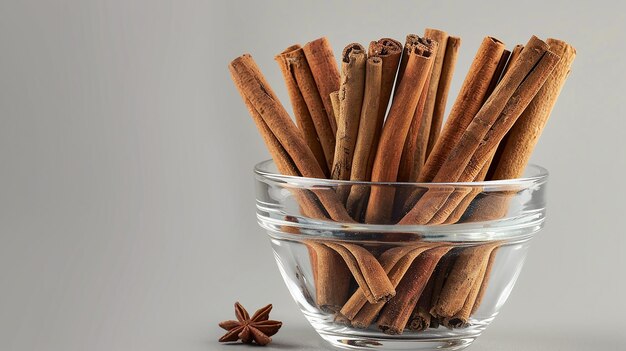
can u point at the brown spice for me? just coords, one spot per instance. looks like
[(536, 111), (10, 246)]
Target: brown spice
[(257, 328), (395, 130), (394, 317), (307, 105), (319, 55)]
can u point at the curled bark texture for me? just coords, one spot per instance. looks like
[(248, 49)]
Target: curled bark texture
[(445, 79), (365, 138), (389, 51), (469, 101), (350, 102), (307, 105), (330, 275), (323, 65), (424, 132), (366, 270), (394, 132), (397, 312), (368, 313)]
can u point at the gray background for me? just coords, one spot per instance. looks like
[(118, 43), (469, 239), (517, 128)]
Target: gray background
[(127, 217)]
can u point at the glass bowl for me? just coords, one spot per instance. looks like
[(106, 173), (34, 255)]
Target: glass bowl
[(366, 277)]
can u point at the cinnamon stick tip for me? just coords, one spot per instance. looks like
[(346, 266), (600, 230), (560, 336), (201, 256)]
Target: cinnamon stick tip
[(351, 49), (291, 48), (495, 40), (561, 43), (240, 58), (454, 41)]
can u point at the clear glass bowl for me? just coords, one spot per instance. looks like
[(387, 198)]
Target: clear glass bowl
[(393, 286)]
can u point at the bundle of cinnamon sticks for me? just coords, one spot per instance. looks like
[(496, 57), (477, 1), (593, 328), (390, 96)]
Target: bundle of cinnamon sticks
[(378, 116)]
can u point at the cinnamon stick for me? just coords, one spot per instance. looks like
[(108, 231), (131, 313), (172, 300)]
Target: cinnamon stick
[(424, 132), (367, 314), (394, 317), (485, 281), (387, 260), (365, 137), (254, 88), (445, 79), (350, 102), (367, 271), (411, 160), (461, 279), (394, 132), (307, 105), (319, 55), (389, 51), (421, 317), (461, 318), (330, 275), (523, 137)]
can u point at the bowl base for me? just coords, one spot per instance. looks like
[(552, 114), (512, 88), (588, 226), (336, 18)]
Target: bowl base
[(352, 342)]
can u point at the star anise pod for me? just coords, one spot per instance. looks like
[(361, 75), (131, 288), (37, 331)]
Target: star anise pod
[(259, 328)]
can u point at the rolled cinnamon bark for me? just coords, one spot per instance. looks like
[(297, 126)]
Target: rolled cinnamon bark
[(387, 260), (350, 101), (389, 51), (394, 317), (330, 275), (367, 314), (411, 160), (421, 317), (307, 105), (445, 79), (485, 280), (461, 318), (394, 132), (319, 55), (462, 278), (367, 271), (424, 132), (365, 137)]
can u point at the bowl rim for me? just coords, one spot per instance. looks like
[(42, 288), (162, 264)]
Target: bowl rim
[(538, 175)]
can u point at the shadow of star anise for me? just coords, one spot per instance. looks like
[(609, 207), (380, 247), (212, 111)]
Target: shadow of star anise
[(259, 328)]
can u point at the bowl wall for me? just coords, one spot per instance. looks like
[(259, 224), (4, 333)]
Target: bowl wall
[(435, 281)]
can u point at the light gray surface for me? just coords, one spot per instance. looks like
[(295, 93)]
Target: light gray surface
[(127, 216)]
